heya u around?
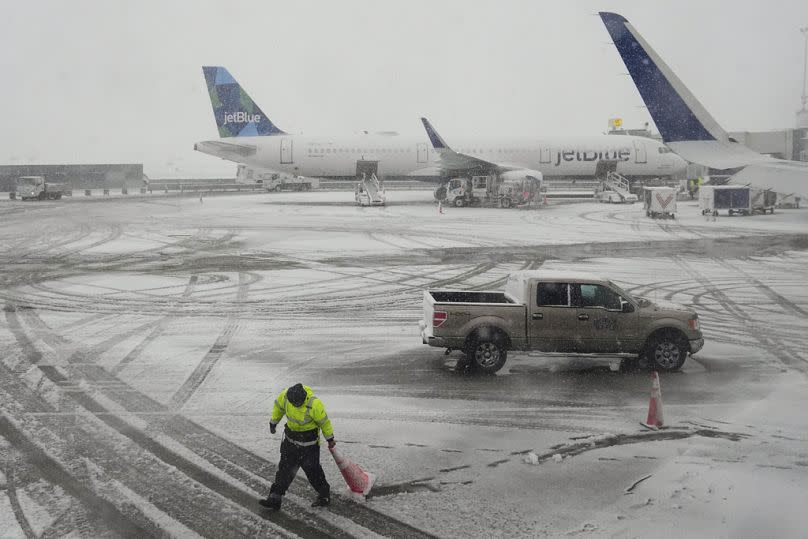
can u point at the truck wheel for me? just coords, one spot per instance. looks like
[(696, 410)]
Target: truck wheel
[(667, 350), (487, 354), (459, 202), (506, 203)]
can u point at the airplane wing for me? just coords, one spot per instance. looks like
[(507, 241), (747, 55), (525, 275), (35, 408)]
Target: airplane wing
[(686, 126), (784, 177), (452, 161), (220, 148)]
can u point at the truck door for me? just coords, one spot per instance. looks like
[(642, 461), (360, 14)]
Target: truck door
[(552, 318), (640, 155), (544, 156), (601, 324), (286, 151), (422, 152)]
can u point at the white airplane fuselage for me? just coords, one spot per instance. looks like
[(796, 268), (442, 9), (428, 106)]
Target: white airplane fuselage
[(402, 156)]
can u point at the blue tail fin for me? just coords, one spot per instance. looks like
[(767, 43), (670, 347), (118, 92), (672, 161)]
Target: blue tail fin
[(236, 114), (677, 113)]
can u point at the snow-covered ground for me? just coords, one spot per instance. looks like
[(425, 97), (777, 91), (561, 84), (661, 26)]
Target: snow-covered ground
[(144, 341)]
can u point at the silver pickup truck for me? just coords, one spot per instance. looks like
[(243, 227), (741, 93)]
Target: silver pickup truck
[(558, 312)]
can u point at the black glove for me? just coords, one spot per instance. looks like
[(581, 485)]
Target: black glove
[(272, 428)]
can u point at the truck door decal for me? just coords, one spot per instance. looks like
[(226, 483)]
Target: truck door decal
[(605, 323)]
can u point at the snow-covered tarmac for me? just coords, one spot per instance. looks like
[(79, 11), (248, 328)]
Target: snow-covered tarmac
[(144, 341)]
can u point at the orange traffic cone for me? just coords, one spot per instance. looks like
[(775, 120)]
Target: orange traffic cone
[(655, 419), (358, 480), (440, 206)]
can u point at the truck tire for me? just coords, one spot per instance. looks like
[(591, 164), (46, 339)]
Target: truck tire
[(487, 353), (667, 350), (459, 202), (506, 202)]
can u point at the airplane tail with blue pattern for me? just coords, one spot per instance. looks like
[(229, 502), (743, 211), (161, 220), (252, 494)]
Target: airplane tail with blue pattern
[(235, 112), (676, 112)]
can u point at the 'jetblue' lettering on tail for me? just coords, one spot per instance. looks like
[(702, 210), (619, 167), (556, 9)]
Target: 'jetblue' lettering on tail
[(236, 114), (676, 112)]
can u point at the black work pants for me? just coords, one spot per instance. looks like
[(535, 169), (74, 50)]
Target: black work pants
[(294, 457)]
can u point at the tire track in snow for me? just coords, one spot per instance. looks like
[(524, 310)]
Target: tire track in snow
[(155, 333), (783, 354), (195, 380), (50, 469), (14, 501), (195, 509), (242, 465)]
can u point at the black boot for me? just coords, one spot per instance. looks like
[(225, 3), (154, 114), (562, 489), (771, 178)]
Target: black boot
[(272, 502), (321, 501)]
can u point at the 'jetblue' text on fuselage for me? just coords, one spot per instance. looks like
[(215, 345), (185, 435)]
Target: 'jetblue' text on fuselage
[(623, 154)]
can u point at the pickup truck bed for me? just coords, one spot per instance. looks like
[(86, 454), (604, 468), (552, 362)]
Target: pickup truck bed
[(461, 296)]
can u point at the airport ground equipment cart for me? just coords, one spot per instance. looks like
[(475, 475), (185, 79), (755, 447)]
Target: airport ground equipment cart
[(660, 202)]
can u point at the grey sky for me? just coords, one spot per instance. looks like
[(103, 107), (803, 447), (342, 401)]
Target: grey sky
[(107, 81)]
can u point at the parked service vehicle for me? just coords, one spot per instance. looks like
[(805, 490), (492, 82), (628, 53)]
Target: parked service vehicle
[(660, 202), (36, 188), (788, 201), (763, 200), (732, 198), (558, 312), (492, 190), (274, 181)]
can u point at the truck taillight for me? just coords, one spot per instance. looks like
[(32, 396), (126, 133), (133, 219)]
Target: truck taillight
[(438, 318), (693, 324)]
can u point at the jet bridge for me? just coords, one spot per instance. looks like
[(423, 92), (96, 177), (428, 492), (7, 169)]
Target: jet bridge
[(369, 190)]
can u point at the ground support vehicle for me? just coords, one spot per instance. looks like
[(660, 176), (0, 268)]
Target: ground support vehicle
[(369, 190), (615, 189), (732, 198), (36, 188), (274, 181), (572, 313), (763, 200), (788, 201), (660, 202), (492, 191), (295, 183)]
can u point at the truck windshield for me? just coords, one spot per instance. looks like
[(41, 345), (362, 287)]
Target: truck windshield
[(27, 182)]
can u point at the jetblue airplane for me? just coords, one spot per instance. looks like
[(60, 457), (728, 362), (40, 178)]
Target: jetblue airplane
[(248, 136), (686, 126)]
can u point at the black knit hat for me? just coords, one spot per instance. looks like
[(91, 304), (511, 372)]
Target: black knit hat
[(296, 394)]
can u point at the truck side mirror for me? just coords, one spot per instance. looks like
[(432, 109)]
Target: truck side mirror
[(626, 307)]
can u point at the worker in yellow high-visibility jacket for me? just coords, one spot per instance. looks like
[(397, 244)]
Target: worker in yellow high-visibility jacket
[(300, 448)]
